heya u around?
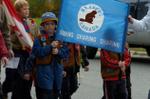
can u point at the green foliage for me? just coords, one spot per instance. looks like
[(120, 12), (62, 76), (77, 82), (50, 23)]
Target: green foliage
[(38, 21), (38, 7)]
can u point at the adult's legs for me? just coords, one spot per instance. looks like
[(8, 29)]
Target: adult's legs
[(65, 94), (22, 89), (9, 81), (73, 83)]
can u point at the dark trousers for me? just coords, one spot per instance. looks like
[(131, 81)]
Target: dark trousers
[(9, 82), (43, 93), (46, 94), (128, 83), (115, 89), (22, 88), (69, 86)]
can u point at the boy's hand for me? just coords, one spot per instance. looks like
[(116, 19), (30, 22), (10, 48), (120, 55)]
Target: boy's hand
[(123, 69), (55, 51), (55, 43), (64, 73), (4, 61), (121, 63), (122, 66)]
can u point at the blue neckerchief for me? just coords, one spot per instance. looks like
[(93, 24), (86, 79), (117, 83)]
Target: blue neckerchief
[(51, 38), (43, 39)]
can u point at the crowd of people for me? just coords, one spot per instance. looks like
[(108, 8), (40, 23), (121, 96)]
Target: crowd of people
[(52, 65)]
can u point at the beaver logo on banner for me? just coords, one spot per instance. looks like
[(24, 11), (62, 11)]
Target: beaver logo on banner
[(96, 23), (90, 18)]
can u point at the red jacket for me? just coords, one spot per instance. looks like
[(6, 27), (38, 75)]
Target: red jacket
[(3, 49), (109, 64)]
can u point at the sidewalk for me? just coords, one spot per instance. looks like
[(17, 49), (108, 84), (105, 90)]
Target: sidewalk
[(133, 54)]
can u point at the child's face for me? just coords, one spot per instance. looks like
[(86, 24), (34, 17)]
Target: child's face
[(24, 11), (50, 27)]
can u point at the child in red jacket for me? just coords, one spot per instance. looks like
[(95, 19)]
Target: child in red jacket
[(113, 66)]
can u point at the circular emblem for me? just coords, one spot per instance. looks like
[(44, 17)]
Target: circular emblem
[(90, 18)]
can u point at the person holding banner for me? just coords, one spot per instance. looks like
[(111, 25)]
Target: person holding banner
[(71, 68), (140, 25), (14, 81), (113, 66), (128, 80), (46, 59)]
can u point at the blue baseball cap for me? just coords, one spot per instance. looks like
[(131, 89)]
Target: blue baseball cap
[(48, 16)]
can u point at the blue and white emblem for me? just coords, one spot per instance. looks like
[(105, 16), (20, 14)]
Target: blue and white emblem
[(90, 18)]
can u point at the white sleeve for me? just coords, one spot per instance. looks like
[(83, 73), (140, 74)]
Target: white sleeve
[(141, 25)]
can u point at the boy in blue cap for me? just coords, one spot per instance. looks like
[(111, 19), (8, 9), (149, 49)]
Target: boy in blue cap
[(48, 54)]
